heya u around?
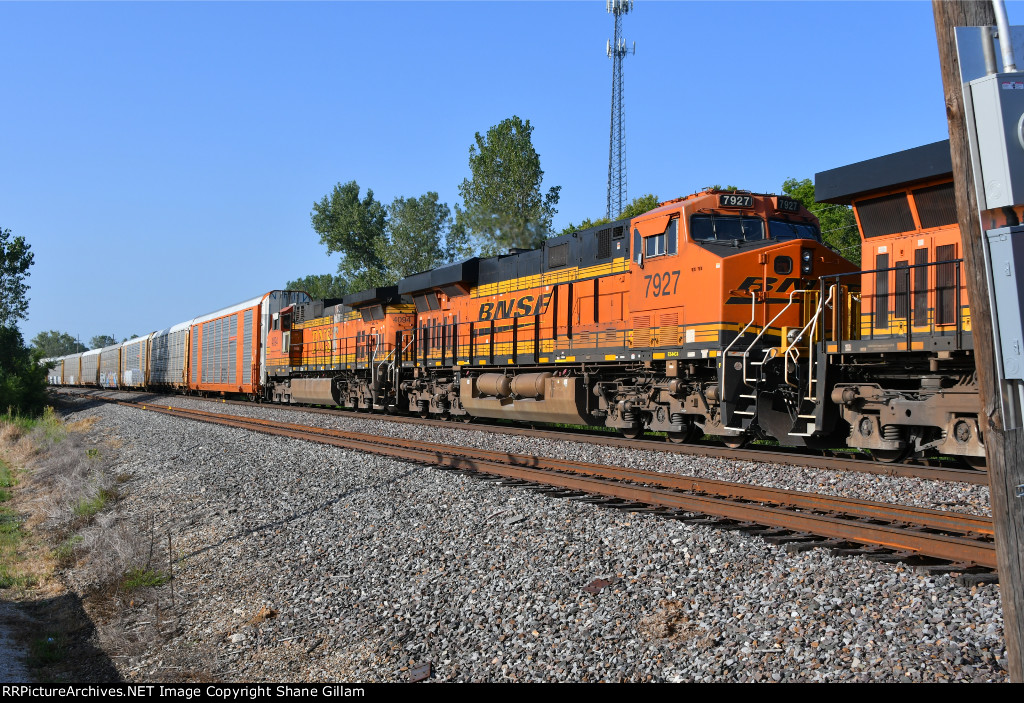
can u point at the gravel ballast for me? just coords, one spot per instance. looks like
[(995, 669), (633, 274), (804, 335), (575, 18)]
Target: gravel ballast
[(297, 561)]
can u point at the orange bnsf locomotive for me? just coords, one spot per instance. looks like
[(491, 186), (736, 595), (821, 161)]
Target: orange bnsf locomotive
[(689, 319), (901, 375), (700, 316)]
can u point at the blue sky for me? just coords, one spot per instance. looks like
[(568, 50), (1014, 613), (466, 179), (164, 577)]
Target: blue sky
[(162, 158)]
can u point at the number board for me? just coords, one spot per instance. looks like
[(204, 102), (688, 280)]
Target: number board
[(788, 205), (734, 200)]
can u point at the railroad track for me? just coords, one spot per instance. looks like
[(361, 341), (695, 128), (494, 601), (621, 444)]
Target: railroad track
[(880, 530), (764, 454)]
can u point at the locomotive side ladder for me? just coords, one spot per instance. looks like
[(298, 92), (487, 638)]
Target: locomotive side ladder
[(810, 414)]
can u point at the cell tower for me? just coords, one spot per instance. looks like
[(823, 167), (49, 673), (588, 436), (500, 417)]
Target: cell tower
[(616, 50)]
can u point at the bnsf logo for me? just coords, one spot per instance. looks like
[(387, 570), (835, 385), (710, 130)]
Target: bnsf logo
[(756, 283), (514, 307)]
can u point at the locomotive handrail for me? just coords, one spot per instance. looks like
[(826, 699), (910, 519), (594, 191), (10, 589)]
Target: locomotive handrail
[(746, 353), (793, 353), (907, 294), (725, 352)]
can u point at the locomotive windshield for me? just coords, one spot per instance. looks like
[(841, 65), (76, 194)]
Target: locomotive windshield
[(782, 231), (726, 228)]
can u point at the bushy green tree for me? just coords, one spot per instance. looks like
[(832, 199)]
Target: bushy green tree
[(421, 236), (22, 377), (320, 286), (638, 206), (102, 340), (353, 227), (838, 223), (503, 203), (55, 343), (380, 245), (15, 259)]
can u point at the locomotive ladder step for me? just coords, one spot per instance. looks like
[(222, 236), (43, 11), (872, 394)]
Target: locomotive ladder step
[(742, 412), (800, 434), (756, 363), (807, 417), (744, 395)]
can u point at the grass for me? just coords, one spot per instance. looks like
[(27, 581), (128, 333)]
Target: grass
[(143, 578), (47, 650), (87, 507), (10, 535), (48, 422), (65, 551)]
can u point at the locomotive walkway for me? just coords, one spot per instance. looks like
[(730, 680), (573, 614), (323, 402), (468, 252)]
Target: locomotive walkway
[(805, 520)]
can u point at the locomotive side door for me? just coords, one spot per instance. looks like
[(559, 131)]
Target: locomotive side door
[(657, 283)]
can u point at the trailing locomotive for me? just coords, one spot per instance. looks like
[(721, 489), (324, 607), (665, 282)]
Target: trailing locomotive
[(902, 375)]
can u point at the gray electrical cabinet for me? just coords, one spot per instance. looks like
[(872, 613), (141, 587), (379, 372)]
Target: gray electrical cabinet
[(998, 101), (1006, 257)]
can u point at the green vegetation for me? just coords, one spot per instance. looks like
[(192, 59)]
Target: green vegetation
[(102, 340), (143, 578), (638, 206), (838, 224), (55, 343), (46, 650), (65, 551), (10, 535), (503, 203), (22, 378), (87, 507), (503, 208)]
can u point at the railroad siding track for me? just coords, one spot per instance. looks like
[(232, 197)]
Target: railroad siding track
[(766, 454), (878, 530)]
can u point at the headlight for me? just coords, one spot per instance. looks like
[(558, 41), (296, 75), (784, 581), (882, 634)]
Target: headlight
[(806, 261)]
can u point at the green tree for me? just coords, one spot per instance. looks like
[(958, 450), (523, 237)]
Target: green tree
[(638, 206), (102, 340), (504, 206), (838, 223), (354, 228), (54, 343), (421, 236), (22, 377), (320, 286), (15, 259)]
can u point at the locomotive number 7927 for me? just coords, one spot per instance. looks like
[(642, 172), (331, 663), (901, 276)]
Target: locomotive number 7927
[(664, 283)]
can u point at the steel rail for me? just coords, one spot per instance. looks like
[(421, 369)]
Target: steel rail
[(761, 455), (852, 507), (841, 521)]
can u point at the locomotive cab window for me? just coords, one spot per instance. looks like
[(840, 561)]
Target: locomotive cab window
[(781, 230), (726, 228), (662, 244)]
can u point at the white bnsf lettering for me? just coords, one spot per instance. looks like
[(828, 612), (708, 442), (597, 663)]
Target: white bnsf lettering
[(521, 306)]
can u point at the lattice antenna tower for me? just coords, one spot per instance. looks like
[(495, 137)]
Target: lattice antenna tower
[(617, 51)]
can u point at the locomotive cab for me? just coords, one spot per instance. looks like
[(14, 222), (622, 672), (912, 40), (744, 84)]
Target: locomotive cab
[(721, 285)]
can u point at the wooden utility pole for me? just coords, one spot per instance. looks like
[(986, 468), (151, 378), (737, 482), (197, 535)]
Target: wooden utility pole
[(1004, 448)]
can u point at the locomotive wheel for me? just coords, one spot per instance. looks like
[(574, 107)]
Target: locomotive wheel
[(734, 441), (890, 456), (688, 434), (978, 463), (631, 432), (467, 418)]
